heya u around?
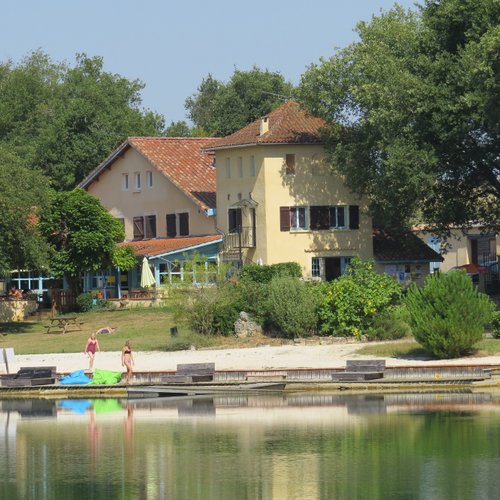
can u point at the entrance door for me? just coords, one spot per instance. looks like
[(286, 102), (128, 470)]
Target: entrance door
[(332, 268)]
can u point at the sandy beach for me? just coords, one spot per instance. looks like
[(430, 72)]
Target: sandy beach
[(264, 357)]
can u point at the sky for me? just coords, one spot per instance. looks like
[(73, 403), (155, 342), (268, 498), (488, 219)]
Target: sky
[(172, 45)]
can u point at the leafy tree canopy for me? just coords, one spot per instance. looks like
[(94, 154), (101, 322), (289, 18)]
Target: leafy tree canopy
[(24, 194), (413, 113), (64, 120), (222, 108), (83, 236)]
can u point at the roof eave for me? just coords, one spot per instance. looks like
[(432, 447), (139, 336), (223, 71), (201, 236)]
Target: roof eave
[(106, 163)]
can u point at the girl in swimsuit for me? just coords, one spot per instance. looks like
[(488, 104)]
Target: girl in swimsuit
[(128, 360), (90, 349)]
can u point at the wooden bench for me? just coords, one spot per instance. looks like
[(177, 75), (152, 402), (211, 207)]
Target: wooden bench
[(359, 370), (191, 372), (30, 376)]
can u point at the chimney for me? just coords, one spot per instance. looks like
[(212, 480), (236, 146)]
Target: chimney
[(264, 125)]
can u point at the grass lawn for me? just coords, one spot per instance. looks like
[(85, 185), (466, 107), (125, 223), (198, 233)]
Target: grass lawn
[(148, 329)]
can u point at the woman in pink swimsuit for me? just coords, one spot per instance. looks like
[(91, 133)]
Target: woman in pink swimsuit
[(90, 349)]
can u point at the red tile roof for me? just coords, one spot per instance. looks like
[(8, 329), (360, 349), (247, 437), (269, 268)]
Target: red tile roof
[(288, 124), (180, 159), (166, 245)]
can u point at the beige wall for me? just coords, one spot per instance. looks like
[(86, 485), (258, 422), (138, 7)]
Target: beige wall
[(160, 199), (271, 188), (405, 273), (459, 251)]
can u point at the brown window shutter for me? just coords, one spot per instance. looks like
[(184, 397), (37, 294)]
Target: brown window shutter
[(284, 218), (171, 229), (184, 224), (150, 226), (353, 217), (320, 217), (138, 228)]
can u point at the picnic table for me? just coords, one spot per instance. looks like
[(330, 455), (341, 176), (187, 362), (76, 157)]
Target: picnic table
[(64, 324)]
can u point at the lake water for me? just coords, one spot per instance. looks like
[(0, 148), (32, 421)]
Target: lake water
[(302, 446)]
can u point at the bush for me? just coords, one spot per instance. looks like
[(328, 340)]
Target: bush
[(291, 307), (211, 311), (448, 314), (495, 325), (84, 302), (264, 274), (391, 324), (350, 303)]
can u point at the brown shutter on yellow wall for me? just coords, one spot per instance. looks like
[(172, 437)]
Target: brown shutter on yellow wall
[(184, 224), (353, 217), (285, 218), (171, 229), (138, 228), (320, 217), (150, 226)]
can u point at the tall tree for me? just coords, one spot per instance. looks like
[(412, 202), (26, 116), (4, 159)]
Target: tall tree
[(83, 237), (24, 194), (221, 109), (64, 120), (413, 113)]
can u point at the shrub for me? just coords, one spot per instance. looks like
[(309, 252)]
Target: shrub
[(495, 324), (264, 274), (211, 311), (350, 303), (291, 307), (84, 302), (448, 314), (391, 324)]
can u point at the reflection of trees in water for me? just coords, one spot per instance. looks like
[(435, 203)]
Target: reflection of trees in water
[(232, 456)]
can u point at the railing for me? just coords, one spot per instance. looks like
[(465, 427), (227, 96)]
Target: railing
[(241, 237)]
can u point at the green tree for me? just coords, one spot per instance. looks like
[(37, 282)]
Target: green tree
[(83, 237), (448, 314), (179, 129), (64, 120), (413, 113), (222, 108), (24, 195)]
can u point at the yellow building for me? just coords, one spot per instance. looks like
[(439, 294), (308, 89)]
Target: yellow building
[(278, 201)]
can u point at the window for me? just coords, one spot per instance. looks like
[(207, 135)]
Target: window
[(290, 164), (138, 228), (228, 168), (240, 167), (316, 267), (149, 179), (137, 186), (150, 226), (171, 226), (319, 217), (299, 218), (338, 217), (121, 220), (184, 224), (125, 182), (252, 166), (234, 219)]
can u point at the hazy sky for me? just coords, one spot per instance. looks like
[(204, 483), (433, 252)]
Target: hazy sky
[(171, 46)]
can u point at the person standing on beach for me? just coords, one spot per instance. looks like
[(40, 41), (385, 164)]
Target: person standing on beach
[(128, 360), (90, 349)]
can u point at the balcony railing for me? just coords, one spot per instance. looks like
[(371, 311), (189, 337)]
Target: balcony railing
[(242, 237)]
